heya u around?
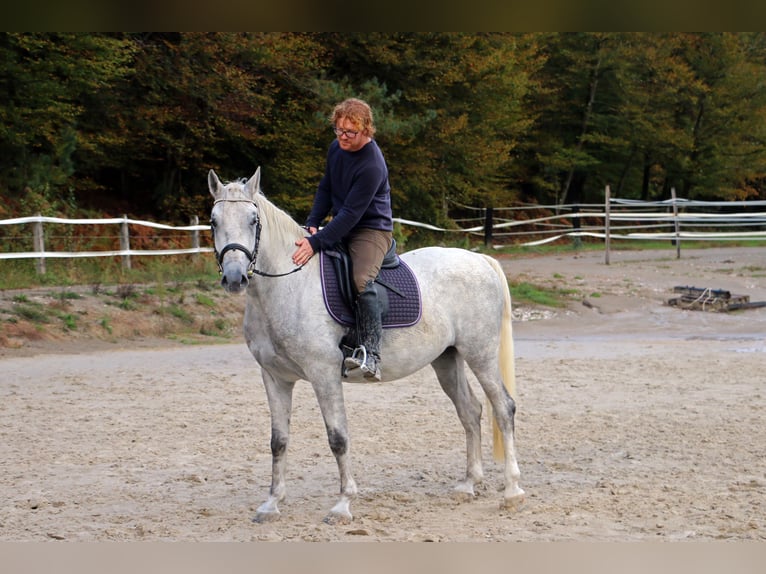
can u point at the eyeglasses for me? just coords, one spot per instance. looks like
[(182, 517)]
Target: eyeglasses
[(350, 134)]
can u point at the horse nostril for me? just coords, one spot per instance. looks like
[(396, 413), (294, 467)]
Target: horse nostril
[(236, 284)]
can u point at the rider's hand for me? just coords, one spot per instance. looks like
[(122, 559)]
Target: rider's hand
[(304, 251)]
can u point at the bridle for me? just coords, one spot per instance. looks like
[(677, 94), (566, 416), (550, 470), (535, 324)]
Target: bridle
[(251, 254)]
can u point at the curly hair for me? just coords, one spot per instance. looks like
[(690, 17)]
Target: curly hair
[(358, 112)]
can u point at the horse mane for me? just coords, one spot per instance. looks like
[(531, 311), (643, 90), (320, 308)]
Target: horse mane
[(282, 227)]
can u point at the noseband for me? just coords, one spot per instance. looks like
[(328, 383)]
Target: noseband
[(250, 254)]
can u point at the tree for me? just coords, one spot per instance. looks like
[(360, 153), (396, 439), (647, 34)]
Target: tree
[(46, 84), (227, 101), (451, 108), (725, 116)]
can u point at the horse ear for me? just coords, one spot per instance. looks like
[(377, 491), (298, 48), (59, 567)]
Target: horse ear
[(253, 185), (213, 183)]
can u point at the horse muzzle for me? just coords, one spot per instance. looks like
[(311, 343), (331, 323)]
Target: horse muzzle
[(237, 269), (234, 277)]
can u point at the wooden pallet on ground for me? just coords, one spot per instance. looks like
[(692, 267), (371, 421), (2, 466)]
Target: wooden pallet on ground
[(707, 299)]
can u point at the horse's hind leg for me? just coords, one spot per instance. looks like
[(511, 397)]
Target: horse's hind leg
[(504, 409), (450, 370)]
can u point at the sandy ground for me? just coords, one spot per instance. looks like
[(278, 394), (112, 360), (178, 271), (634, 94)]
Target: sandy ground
[(637, 421)]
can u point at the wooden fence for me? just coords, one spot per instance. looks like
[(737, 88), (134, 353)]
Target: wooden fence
[(675, 220), (125, 251)]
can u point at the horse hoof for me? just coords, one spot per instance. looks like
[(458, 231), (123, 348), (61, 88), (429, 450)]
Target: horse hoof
[(334, 519), (463, 492), (514, 503), (461, 496), (262, 517)]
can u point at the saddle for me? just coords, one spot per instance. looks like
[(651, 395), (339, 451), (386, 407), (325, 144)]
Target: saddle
[(396, 285)]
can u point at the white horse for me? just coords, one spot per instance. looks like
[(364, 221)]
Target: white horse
[(466, 318)]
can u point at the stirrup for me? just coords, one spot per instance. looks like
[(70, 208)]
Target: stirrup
[(364, 363)]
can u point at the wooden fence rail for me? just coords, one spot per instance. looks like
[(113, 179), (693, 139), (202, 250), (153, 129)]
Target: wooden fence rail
[(675, 220), (125, 251)]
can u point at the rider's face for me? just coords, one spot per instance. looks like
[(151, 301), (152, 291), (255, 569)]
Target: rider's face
[(350, 137)]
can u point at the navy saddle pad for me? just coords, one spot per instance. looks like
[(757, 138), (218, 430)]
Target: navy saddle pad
[(404, 306)]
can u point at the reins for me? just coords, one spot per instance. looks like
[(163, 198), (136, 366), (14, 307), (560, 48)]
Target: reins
[(251, 255)]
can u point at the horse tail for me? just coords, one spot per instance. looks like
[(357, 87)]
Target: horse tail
[(506, 357)]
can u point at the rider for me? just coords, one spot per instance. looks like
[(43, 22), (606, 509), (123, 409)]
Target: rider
[(356, 192)]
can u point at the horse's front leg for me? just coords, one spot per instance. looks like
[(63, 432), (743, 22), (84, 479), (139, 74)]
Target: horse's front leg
[(330, 399), (280, 397)]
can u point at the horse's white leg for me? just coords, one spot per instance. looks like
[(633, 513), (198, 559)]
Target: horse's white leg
[(450, 370), (513, 496), (330, 399), (504, 409), (280, 397)]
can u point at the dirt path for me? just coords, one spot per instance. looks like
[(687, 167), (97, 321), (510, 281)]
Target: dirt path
[(637, 421)]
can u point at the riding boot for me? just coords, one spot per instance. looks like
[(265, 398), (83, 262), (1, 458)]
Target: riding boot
[(366, 357)]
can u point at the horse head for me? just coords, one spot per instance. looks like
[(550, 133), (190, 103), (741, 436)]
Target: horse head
[(235, 224)]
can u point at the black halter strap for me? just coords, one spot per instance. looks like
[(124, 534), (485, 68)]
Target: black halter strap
[(250, 254)]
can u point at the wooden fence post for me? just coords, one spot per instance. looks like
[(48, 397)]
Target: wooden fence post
[(125, 242), (607, 202), (38, 240), (488, 212), (576, 225), (676, 223), (195, 234)]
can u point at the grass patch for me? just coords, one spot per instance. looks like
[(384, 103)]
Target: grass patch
[(33, 312), (180, 313), (533, 294), (127, 305), (205, 300), (217, 328), (70, 322), (22, 273), (754, 271), (68, 296), (106, 324)]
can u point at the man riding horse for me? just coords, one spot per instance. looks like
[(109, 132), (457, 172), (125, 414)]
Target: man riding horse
[(356, 192)]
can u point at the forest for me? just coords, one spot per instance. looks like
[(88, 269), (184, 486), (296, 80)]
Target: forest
[(130, 123)]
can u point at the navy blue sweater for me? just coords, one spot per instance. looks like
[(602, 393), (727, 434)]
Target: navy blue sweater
[(355, 190)]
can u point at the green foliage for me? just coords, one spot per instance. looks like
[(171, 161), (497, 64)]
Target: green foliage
[(524, 292), (70, 321), (31, 311), (106, 324), (130, 123), (205, 300), (180, 313), (49, 84), (64, 296)]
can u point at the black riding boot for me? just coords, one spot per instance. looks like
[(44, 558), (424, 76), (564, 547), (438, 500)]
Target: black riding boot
[(366, 357)]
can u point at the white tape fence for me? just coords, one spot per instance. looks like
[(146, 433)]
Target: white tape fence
[(675, 220)]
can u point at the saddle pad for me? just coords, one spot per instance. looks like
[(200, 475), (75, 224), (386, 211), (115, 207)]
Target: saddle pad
[(404, 308)]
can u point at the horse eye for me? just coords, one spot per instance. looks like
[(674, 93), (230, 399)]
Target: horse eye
[(213, 223)]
